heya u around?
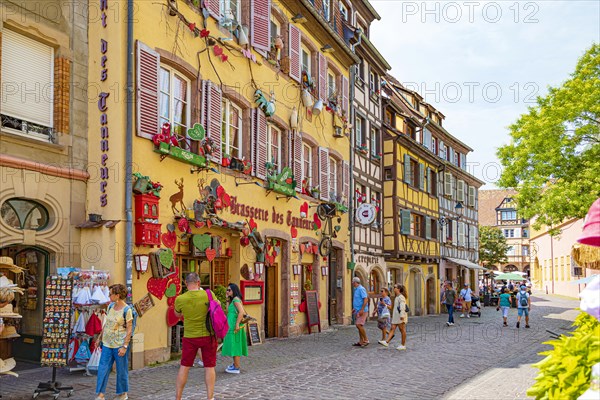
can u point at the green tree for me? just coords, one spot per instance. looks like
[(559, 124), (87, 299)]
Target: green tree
[(492, 246), (553, 159)]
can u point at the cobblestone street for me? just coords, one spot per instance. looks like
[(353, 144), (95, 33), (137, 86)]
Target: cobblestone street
[(475, 359)]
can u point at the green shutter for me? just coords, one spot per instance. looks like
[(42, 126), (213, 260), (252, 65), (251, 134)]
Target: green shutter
[(405, 222), (429, 183), (407, 168), (427, 227), (421, 176)]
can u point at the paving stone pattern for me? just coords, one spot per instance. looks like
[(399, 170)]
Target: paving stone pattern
[(475, 359)]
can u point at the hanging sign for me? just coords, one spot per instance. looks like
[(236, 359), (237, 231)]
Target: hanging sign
[(365, 214)]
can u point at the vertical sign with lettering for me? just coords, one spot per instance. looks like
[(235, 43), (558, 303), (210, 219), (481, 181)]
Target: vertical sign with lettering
[(103, 107)]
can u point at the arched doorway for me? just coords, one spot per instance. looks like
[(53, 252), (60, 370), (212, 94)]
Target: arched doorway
[(510, 268), (375, 283), (431, 296), (36, 264), (415, 290)]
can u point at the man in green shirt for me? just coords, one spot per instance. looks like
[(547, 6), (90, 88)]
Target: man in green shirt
[(193, 307)]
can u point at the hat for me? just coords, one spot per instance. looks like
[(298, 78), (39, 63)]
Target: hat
[(9, 332), (7, 263), (356, 279), (7, 312), (523, 287), (7, 365), (591, 226)]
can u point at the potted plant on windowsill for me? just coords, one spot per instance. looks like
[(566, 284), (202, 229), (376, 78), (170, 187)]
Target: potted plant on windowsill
[(376, 156), (226, 160), (314, 192), (363, 149)]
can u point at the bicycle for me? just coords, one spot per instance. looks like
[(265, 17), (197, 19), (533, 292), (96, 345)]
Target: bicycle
[(326, 212)]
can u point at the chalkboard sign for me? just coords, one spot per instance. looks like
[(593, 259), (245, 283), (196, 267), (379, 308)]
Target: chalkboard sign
[(253, 333), (312, 310)]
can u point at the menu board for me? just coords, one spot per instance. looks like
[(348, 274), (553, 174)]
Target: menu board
[(57, 321), (312, 310), (254, 333)]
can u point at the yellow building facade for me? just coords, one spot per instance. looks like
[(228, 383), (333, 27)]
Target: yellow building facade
[(238, 124)]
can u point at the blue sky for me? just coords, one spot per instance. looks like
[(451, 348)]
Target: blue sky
[(483, 63)]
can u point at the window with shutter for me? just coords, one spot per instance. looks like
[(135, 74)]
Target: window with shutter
[(333, 179), (471, 196), (448, 184), (421, 176), (294, 47), (307, 165), (407, 170), (331, 86), (260, 24), (460, 190), (231, 11), (322, 81), (429, 181), (454, 232), (442, 150), (346, 182), (27, 100), (417, 225), (324, 173), (427, 227), (405, 222), (231, 131), (326, 9), (259, 151), (274, 148), (213, 7), (461, 234), (345, 95), (148, 66), (211, 116), (359, 131), (174, 100), (297, 159)]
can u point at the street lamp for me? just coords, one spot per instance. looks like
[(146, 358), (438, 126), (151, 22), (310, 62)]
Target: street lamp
[(458, 209)]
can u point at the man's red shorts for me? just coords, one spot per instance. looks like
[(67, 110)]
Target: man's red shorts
[(208, 345)]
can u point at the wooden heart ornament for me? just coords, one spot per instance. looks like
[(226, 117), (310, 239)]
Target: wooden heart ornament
[(211, 254), (171, 291), (294, 232), (217, 50), (156, 287), (252, 224), (172, 319), (169, 239)]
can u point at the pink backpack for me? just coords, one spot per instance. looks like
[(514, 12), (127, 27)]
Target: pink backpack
[(216, 320)]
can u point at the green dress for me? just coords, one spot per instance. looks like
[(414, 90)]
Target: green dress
[(234, 344)]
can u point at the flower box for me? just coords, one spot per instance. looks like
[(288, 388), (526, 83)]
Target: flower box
[(182, 155)]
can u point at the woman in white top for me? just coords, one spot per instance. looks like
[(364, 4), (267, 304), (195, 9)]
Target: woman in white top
[(400, 316)]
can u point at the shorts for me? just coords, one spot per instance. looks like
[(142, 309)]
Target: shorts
[(208, 345), (505, 311), (523, 311), (384, 323), (360, 320)]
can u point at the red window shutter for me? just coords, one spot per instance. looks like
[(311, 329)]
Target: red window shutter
[(148, 64), (324, 173), (260, 133), (346, 182), (345, 95), (322, 76), (213, 7), (294, 42), (297, 160), (212, 116), (338, 19), (260, 24)]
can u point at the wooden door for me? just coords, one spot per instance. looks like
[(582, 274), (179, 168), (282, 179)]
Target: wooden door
[(431, 297), (271, 293)]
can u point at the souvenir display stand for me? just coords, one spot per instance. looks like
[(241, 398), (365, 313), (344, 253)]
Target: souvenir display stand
[(90, 298), (57, 327)]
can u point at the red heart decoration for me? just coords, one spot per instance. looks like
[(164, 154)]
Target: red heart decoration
[(208, 223), (224, 57), (226, 200), (169, 239), (315, 248), (270, 259), (210, 254), (288, 181), (157, 287), (192, 26), (199, 224), (172, 319), (217, 50), (171, 301), (294, 232), (204, 33), (252, 224), (183, 225), (304, 209), (220, 191), (317, 221)]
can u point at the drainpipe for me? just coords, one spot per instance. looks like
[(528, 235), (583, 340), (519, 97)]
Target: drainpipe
[(129, 157)]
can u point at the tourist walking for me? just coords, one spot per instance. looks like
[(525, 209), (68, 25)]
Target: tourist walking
[(114, 338), (384, 313), (465, 296), (235, 343), (504, 305), (448, 299), (523, 306), (400, 317), (360, 309), (193, 307)]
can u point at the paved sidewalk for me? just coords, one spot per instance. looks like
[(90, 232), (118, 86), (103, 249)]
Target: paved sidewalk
[(475, 359)]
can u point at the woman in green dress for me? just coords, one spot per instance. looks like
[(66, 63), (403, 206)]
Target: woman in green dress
[(235, 344)]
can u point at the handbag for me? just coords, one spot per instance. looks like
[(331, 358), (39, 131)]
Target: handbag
[(92, 365)]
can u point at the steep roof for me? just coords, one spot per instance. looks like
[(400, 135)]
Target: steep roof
[(489, 200)]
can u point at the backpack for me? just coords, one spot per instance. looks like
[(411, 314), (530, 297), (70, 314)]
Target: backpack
[(133, 312), (523, 299), (216, 320)]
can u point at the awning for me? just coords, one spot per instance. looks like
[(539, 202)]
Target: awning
[(465, 263)]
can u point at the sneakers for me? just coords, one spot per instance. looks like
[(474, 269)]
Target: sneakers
[(401, 347), (526, 326), (518, 324), (122, 396), (468, 316), (200, 363), (383, 343), (100, 398), (462, 315), (232, 369), (449, 323)]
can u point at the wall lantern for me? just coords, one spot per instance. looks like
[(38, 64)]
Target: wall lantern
[(259, 268), (324, 271), (327, 49), (299, 19)]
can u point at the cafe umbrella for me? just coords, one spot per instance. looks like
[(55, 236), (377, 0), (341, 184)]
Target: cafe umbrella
[(509, 277)]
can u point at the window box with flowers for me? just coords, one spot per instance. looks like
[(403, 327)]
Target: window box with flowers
[(363, 149), (375, 94), (376, 156)]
